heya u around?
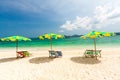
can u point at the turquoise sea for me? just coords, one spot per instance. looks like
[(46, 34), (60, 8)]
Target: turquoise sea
[(66, 42)]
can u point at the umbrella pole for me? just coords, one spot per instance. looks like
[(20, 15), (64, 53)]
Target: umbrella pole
[(95, 47), (51, 43), (16, 45), (16, 48)]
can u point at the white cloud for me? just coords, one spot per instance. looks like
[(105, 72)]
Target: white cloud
[(103, 16), (82, 22), (77, 23), (69, 26), (106, 15)]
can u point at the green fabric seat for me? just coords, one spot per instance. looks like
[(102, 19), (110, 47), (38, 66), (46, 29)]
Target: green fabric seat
[(89, 52), (26, 53), (92, 53), (97, 53)]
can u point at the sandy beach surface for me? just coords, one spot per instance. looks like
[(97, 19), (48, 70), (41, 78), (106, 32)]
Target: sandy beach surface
[(72, 66)]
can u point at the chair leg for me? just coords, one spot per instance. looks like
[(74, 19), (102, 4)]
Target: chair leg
[(96, 57), (100, 55), (85, 55), (92, 56)]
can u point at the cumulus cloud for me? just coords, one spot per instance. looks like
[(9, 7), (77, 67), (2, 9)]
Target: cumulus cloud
[(103, 15), (77, 23), (69, 26)]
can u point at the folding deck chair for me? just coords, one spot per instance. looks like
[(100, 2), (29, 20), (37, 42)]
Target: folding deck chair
[(92, 53), (22, 54), (55, 54)]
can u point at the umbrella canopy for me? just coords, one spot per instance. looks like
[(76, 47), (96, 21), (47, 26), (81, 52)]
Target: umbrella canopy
[(50, 36), (97, 34), (15, 39)]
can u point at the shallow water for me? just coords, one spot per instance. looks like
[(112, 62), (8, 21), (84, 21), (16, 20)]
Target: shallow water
[(66, 42)]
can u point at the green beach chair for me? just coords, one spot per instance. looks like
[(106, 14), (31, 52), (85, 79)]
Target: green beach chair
[(26, 53), (97, 53), (92, 53), (88, 53)]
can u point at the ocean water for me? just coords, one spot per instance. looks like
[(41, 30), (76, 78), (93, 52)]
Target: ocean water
[(66, 42)]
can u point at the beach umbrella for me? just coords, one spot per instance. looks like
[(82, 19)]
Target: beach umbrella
[(15, 39), (97, 34), (50, 36)]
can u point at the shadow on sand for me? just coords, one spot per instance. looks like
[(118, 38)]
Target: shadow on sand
[(8, 59), (38, 60), (84, 60)]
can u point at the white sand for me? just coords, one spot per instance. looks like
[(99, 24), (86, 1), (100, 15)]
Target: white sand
[(72, 66)]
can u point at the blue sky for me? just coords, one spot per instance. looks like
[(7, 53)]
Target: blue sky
[(32, 18)]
